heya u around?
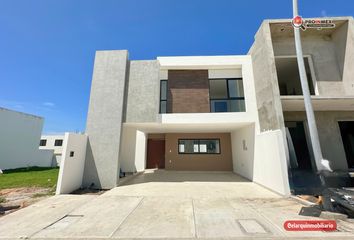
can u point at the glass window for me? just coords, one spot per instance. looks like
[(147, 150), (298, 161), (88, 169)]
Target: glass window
[(58, 143), (163, 90), (199, 146), (226, 95), (163, 106), (218, 89), (237, 105), (209, 146), (163, 96), (218, 105), (235, 88), (188, 146), (42, 142)]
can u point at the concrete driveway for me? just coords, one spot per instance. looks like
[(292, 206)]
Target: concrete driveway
[(166, 204)]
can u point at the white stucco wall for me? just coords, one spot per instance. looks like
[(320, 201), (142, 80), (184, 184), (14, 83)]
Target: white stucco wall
[(72, 168), (270, 167), (140, 151), (50, 143), (242, 142), (19, 141), (133, 150)]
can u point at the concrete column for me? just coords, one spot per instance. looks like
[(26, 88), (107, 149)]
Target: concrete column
[(104, 119)]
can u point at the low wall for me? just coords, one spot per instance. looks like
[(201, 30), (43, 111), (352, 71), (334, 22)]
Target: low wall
[(242, 141), (270, 167), (132, 157), (72, 163)]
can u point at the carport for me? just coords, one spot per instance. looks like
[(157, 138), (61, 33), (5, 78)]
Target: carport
[(167, 183)]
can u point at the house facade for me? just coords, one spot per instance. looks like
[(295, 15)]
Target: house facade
[(223, 113), (55, 143)]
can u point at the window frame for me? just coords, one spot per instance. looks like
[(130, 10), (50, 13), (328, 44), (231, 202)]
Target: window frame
[(45, 142), (198, 139), (160, 99), (228, 92), (58, 140)]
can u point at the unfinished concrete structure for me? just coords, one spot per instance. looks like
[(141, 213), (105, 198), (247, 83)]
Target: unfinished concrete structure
[(329, 58), (223, 113)]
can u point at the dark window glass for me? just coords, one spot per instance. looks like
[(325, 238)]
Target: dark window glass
[(226, 95), (163, 106), (218, 89), (209, 146), (163, 96), (42, 142), (199, 146), (163, 90), (58, 143)]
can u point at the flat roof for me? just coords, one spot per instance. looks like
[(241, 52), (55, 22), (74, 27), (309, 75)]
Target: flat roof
[(22, 113)]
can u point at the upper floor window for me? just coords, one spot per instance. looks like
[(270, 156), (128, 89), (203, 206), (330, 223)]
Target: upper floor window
[(58, 142), (163, 96), (42, 142), (226, 95)]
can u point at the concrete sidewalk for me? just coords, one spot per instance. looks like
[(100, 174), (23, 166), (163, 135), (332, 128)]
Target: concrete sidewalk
[(187, 206)]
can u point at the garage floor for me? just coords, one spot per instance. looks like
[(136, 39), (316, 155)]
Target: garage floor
[(166, 204)]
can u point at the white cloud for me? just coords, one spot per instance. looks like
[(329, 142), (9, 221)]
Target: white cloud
[(48, 104)]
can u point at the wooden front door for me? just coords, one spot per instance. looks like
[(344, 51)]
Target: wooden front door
[(155, 153)]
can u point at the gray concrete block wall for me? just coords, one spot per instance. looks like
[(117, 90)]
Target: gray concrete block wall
[(265, 78), (329, 134), (331, 54), (104, 119), (348, 71), (143, 92)]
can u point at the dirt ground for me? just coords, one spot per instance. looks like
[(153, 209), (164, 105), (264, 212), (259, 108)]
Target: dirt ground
[(17, 198)]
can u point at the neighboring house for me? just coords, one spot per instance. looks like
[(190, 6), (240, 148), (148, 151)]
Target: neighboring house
[(329, 62), (53, 142), (19, 140), (224, 113)]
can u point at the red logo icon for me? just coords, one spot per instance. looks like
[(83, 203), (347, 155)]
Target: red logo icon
[(297, 22)]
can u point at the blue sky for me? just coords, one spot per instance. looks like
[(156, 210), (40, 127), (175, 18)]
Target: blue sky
[(47, 47)]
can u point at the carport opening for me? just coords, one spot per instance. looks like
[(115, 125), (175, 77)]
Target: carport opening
[(190, 151)]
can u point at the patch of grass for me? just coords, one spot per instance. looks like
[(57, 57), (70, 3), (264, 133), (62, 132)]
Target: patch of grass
[(2, 199), (29, 177)]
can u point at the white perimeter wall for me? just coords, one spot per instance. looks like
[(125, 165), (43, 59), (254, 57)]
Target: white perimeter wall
[(270, 167), (261, 158), (19, 141), (242, 141), (132, 157), (72, 168)]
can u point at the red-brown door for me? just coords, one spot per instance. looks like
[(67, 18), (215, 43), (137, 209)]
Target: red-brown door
[(155, 153)]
